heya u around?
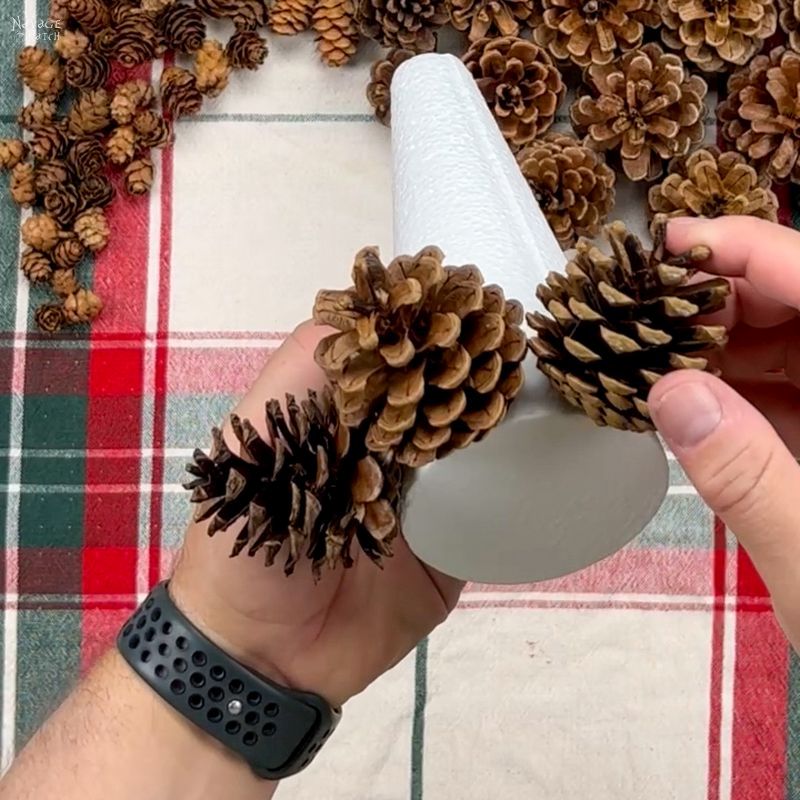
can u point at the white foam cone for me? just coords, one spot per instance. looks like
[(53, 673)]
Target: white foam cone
[(548, 492)]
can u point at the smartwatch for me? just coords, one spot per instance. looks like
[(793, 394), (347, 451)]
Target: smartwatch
[(277, 731)]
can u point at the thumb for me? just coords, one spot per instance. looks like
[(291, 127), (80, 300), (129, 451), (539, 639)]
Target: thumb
[(742, 469)]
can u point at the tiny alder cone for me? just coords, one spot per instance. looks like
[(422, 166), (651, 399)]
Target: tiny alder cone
[(38, 112), (63, 203), (63, 282), (152, 130), (380, 82), (310, 485), (41, 232), (68, 253), (616, 323), (91, 15), (89, 70), (139, 176), (183, 27), (410, 24), (71, 44), (246, 50), (211, 68), (36, 266), (50, 317), (91, 113), (86, 157), (82, 306), (489, 18), (40, 70), (96, 191), (12, 151), (179, 92), (92, 229), (49, 141), (426, 356), (50, 174), (121, 145), (136, 39), (129, 99), (22, 185)]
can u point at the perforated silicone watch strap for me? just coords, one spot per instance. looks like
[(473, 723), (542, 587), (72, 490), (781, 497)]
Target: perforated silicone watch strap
[(278, 731)]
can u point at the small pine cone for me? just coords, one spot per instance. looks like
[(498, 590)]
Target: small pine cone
[(593, 32), (121, 145), (71, 44), (246, 50), (22, 185), (790, 21), (86, 156), (139, 176), (50, 174), (91, 15), (41, 111), (36, 266), (88, 71), (41, 232), (63, 204), (410, 24), (179, 93), (211, 68), (40, 70), (68, 253), (152, 130), (59, 12), (309, 486), (96, 191), (336, 31), (378, 88), (136, 38), (156, 6), (572, 184), (617, 323), (64, 282), (245, 14), (92, 229), (49, 141), (519, 82), (289, 17), (50, 317), (427, 356), (757, 116), (12, 151), (129, 99), (90, 113), (716, 35), (652, 87), (82, 306), (490, 18), (183, 28)]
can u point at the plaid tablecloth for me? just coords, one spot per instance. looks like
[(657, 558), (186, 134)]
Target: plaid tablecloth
[(659, 673)]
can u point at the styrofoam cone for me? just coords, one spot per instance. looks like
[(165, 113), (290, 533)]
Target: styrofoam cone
[(548, 492)]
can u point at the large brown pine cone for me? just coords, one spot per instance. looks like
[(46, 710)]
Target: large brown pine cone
[(519, 82), (410, 24), (183, 27), (617, 323), (790, 21), (245, 14), (593, 31), (427, 356), (89, 70), (380, 82), (179, 92), (715, 35), (86, 156), (336, 31), (489, 18), (311, 486), (572, 184), (289, 17), (759, 114), (644, 109), (707, 183), (40, 70), (246, 50)]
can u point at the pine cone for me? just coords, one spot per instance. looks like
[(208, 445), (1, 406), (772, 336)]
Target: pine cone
[(183, 28), (179, 93), (121, 145), (22, 186), (572, 184), (211, 68), (92, 229), (40, 232), (336, 31), (50, 317), (618, 323), (716, 35), (594, 31), (379, 86), (708, 183), (245, 14), (289, 17), (82, 306), (410, 24), (139, 176), (136, 38), (70, 44), (520, 83), (12, 151), (313, 487), (64, 282), (40, 70), (489, 18), (246, 50), (86, 156), (88, 71), (152, 130), (96, 191), (92, 15), (758, 115), (41, 111), (129, 99), (790, 21), (59, 12), (427, 357), (644, 108), (50, 174), (49, 141), (68, 253), (156, 6), (90, 113), (36, 266), (63, 203)]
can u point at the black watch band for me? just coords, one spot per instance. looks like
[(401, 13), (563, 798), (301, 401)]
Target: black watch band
[(277, 731)]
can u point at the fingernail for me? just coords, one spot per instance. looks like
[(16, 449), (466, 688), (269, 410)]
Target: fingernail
[(684, 221), (687, 414)]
